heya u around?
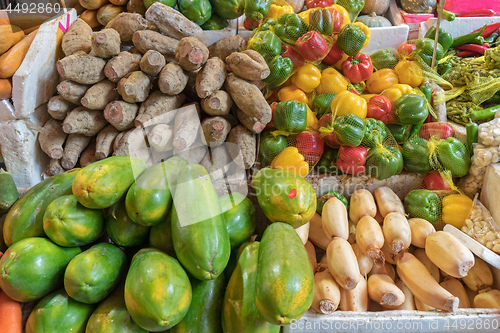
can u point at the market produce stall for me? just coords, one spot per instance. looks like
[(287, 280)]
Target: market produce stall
[(290, 177)]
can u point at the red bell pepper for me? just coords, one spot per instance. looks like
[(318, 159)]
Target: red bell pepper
[(290, 52), (250, 24), (330, 139), (357, 68), (434, 182), (405, 51), (310, 145), (379, 107), (337, 20), (312, 46), (318, 3), (270, 125), (352, 159), (334, 56), (438, 130)]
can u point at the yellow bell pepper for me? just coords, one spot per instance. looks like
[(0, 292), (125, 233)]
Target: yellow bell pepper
[(332, 82), (409, 72), (366, 30), (290, 159), (338, 64), (307, 78), (456, 208), (312, 120), (396, 91), (347, 102), (345, 14), (275, 11), (289, 93), (381, 80)]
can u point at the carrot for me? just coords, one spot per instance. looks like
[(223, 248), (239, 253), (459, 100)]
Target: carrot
[(11, 315)]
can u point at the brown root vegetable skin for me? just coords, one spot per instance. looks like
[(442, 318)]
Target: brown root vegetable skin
[(186, 128), (121, 65), (161, 137), (73, 147), (248, 65), (104, 142), (106, 43), (217, 104), (211, 77), (227, 45), (72, 91), (5, 88), (84, 121), (54, 168), (77, 38), (99, 95), (215, 130), (191, 54), (58, 107), (145, 40), (250, 123), (135, 87), (243, 146), (93, 4), (217, 162), (132, 143), (90, 17), (82, 68), (172, 79), (52, 138), (248, 98), (157, 109), (119, 2), (127, 24), (108, 12), (152, 63), (136, 6), (88, 155), (121, 114)]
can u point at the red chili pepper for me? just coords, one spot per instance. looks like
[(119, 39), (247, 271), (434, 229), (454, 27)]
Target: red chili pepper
[(439, 130), (474, 47), (250, 24), (357, 68), (270, 125), (318, 3), (334, 56), (312, 46), (467, 54), (478, 13), (379, 107), (330, 139), (291, 53), (352, 159), (405, 51), (490, 28), (434, 182), (310, 145)]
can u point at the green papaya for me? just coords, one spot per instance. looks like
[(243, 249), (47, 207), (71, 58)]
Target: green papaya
[(203, 315), (34, 267), (9, 194), (229, 9), (284, 196), (111, 316), (121, 229), (239, 214), (25, 217), (198, 11), (57, 312), (285, 279), (103, 183), (199, 233), (67, 223), (149, 199), (239, 312), (160, 237), (93, 274), (157, 290)]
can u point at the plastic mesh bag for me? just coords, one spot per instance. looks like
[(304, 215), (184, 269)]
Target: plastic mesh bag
[(481, 226)]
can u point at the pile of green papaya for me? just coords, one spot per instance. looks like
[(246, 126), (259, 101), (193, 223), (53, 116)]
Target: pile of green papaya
[(120, 247)]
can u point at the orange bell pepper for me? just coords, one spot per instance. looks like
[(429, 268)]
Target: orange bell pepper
[(290, 93), (381, 80), (332, 82), (307, 78), (290, 159), (409, 72), (347, 102)]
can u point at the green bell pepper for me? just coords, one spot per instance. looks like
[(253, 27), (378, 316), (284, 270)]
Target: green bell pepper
[(291, 116), (327, 162), (256, 10), (266, 43), (198, 11), (353, 7), (270, 146), (424, 204), (268, 24), (383, 59), (425, 48), (228, 9), (330, 194), (289, 27), (444, 37), (495, 99), (281, 69), (453, 156), (400, 133), (321, 21), (350, 129), (383, 162), (321, 103), (375, 132), (215, 23), (410, 109), (416, 155)]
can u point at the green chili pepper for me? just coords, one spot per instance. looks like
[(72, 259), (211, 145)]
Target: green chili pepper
[(479, 40), (448, 16), (445, 68), (495, 99), (484, 114), (424, 204), (472, 136), (427, 91), (490, 40), (330, 194), (466, 39)]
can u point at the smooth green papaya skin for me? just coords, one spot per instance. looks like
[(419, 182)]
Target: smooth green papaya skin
[(57, 312), (93, 274), (229, 9), (239, 214), (111, 316), (103, 183), (199, 233), (149, 199), (239, 313), (157, 290), (67, 223), (121, 229), (9, 194), (33, 267), (160, 237), (204, 312), (284, 196), (285, 279), (25, 217)]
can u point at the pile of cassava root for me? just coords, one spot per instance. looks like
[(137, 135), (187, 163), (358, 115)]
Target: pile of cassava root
[(137, 86)]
